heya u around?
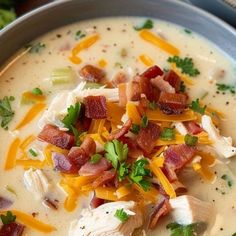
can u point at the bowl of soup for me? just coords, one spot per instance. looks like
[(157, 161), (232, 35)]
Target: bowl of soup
[(117, 118)]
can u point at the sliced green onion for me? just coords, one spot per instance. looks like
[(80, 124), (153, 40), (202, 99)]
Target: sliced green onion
[(135, 129), (62, 75), (167, 134), (37, 91), (144, 121), (33, 153), (190, 140), (152, 105), (95, 158), (90, 85)]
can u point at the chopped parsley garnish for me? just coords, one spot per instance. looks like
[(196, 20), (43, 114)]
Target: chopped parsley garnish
[(6, 17), (152, 105), (187, 31), (116, 152), (135, 129), (182, 87), (33, 153), (186, 65), (121, 215), (144, 122), (167, 134), (77, 135), (148, 24), (227, 179), (139, 172), (234, 234), (123, 171), (195, 106), (79, 35), (181, 230), (95, 158), (8, 218), (36, 48), (6, 113), (37, 91), (226, 87), (72, 116), (190, 140)]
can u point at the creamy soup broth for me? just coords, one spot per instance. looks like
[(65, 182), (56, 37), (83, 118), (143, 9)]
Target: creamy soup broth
[(120, 46)]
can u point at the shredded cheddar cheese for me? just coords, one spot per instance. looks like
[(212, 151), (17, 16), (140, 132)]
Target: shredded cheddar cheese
[(106, 193), (146, 60), (102, 63)]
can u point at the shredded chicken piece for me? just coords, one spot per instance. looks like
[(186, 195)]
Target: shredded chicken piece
[(180, 128)]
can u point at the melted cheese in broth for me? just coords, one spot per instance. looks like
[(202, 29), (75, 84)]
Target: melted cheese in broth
[(120, 46)]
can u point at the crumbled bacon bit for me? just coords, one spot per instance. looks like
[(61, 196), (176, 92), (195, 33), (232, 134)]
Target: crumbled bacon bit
[(162, 85), (51, 203), (120, 132), (104, 178), (89, 146), (59, 138), (193, 127), (96, 202), (5, 203), (148, 136), (94, 169), (152, 72), (92, 74), (173, 79), (12, 229), (78, 157), (142, 106), (160, 210), (172, 103), (176, 157), (95, 107)]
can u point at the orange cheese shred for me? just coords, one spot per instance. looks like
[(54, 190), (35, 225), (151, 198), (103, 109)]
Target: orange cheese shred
[(102, 63), (34, 98), (30, 163), (123, 191), (106, 193), (132, 113), (11, 155), (146, 60), (150, 195), (159, 42), (27, 141), (184, 78), (32, 222), (31, 114)]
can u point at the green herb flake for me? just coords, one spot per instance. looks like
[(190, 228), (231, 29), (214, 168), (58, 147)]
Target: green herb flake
[(121, 215), (139, 172), (72, 116), (148, 24), (190, 140), (36, 48), (116, 152), (33, 153), (195, 106), (167, 134), (135, 129), (91, 85), (37, 91), (79, 35), (186, 65), (144, 122), (187, 31), (11, 190), (6, 112), (95, 158), (234, 234), (77, 135), (152, 105), (182, 230), (182, 87), (226, 87), (228, 180), (6, 17), (8, 218), (123, 171)]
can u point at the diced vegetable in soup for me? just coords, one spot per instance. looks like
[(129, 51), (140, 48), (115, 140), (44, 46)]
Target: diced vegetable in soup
[(118, 126)]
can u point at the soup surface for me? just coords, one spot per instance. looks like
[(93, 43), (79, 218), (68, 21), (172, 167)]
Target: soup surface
[(119, 49)]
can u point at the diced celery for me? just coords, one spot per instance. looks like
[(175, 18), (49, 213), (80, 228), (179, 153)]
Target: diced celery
[(90, 85), (62, 75)]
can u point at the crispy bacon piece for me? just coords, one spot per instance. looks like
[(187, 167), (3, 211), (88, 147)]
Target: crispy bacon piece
[(148, 136), (176, 157), (104, 178), (152, 72), (59, 138), (96, 202), (63, 164), (94, 169), (162, 85), (78, 157), (130, 91), (160, 210), (5, 203), (193, 127), (172, 103), (12, 229), (95, 107), (143, 105), (89, 146), (173, 79), (92, 74), (120, 132), (53, 204)]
